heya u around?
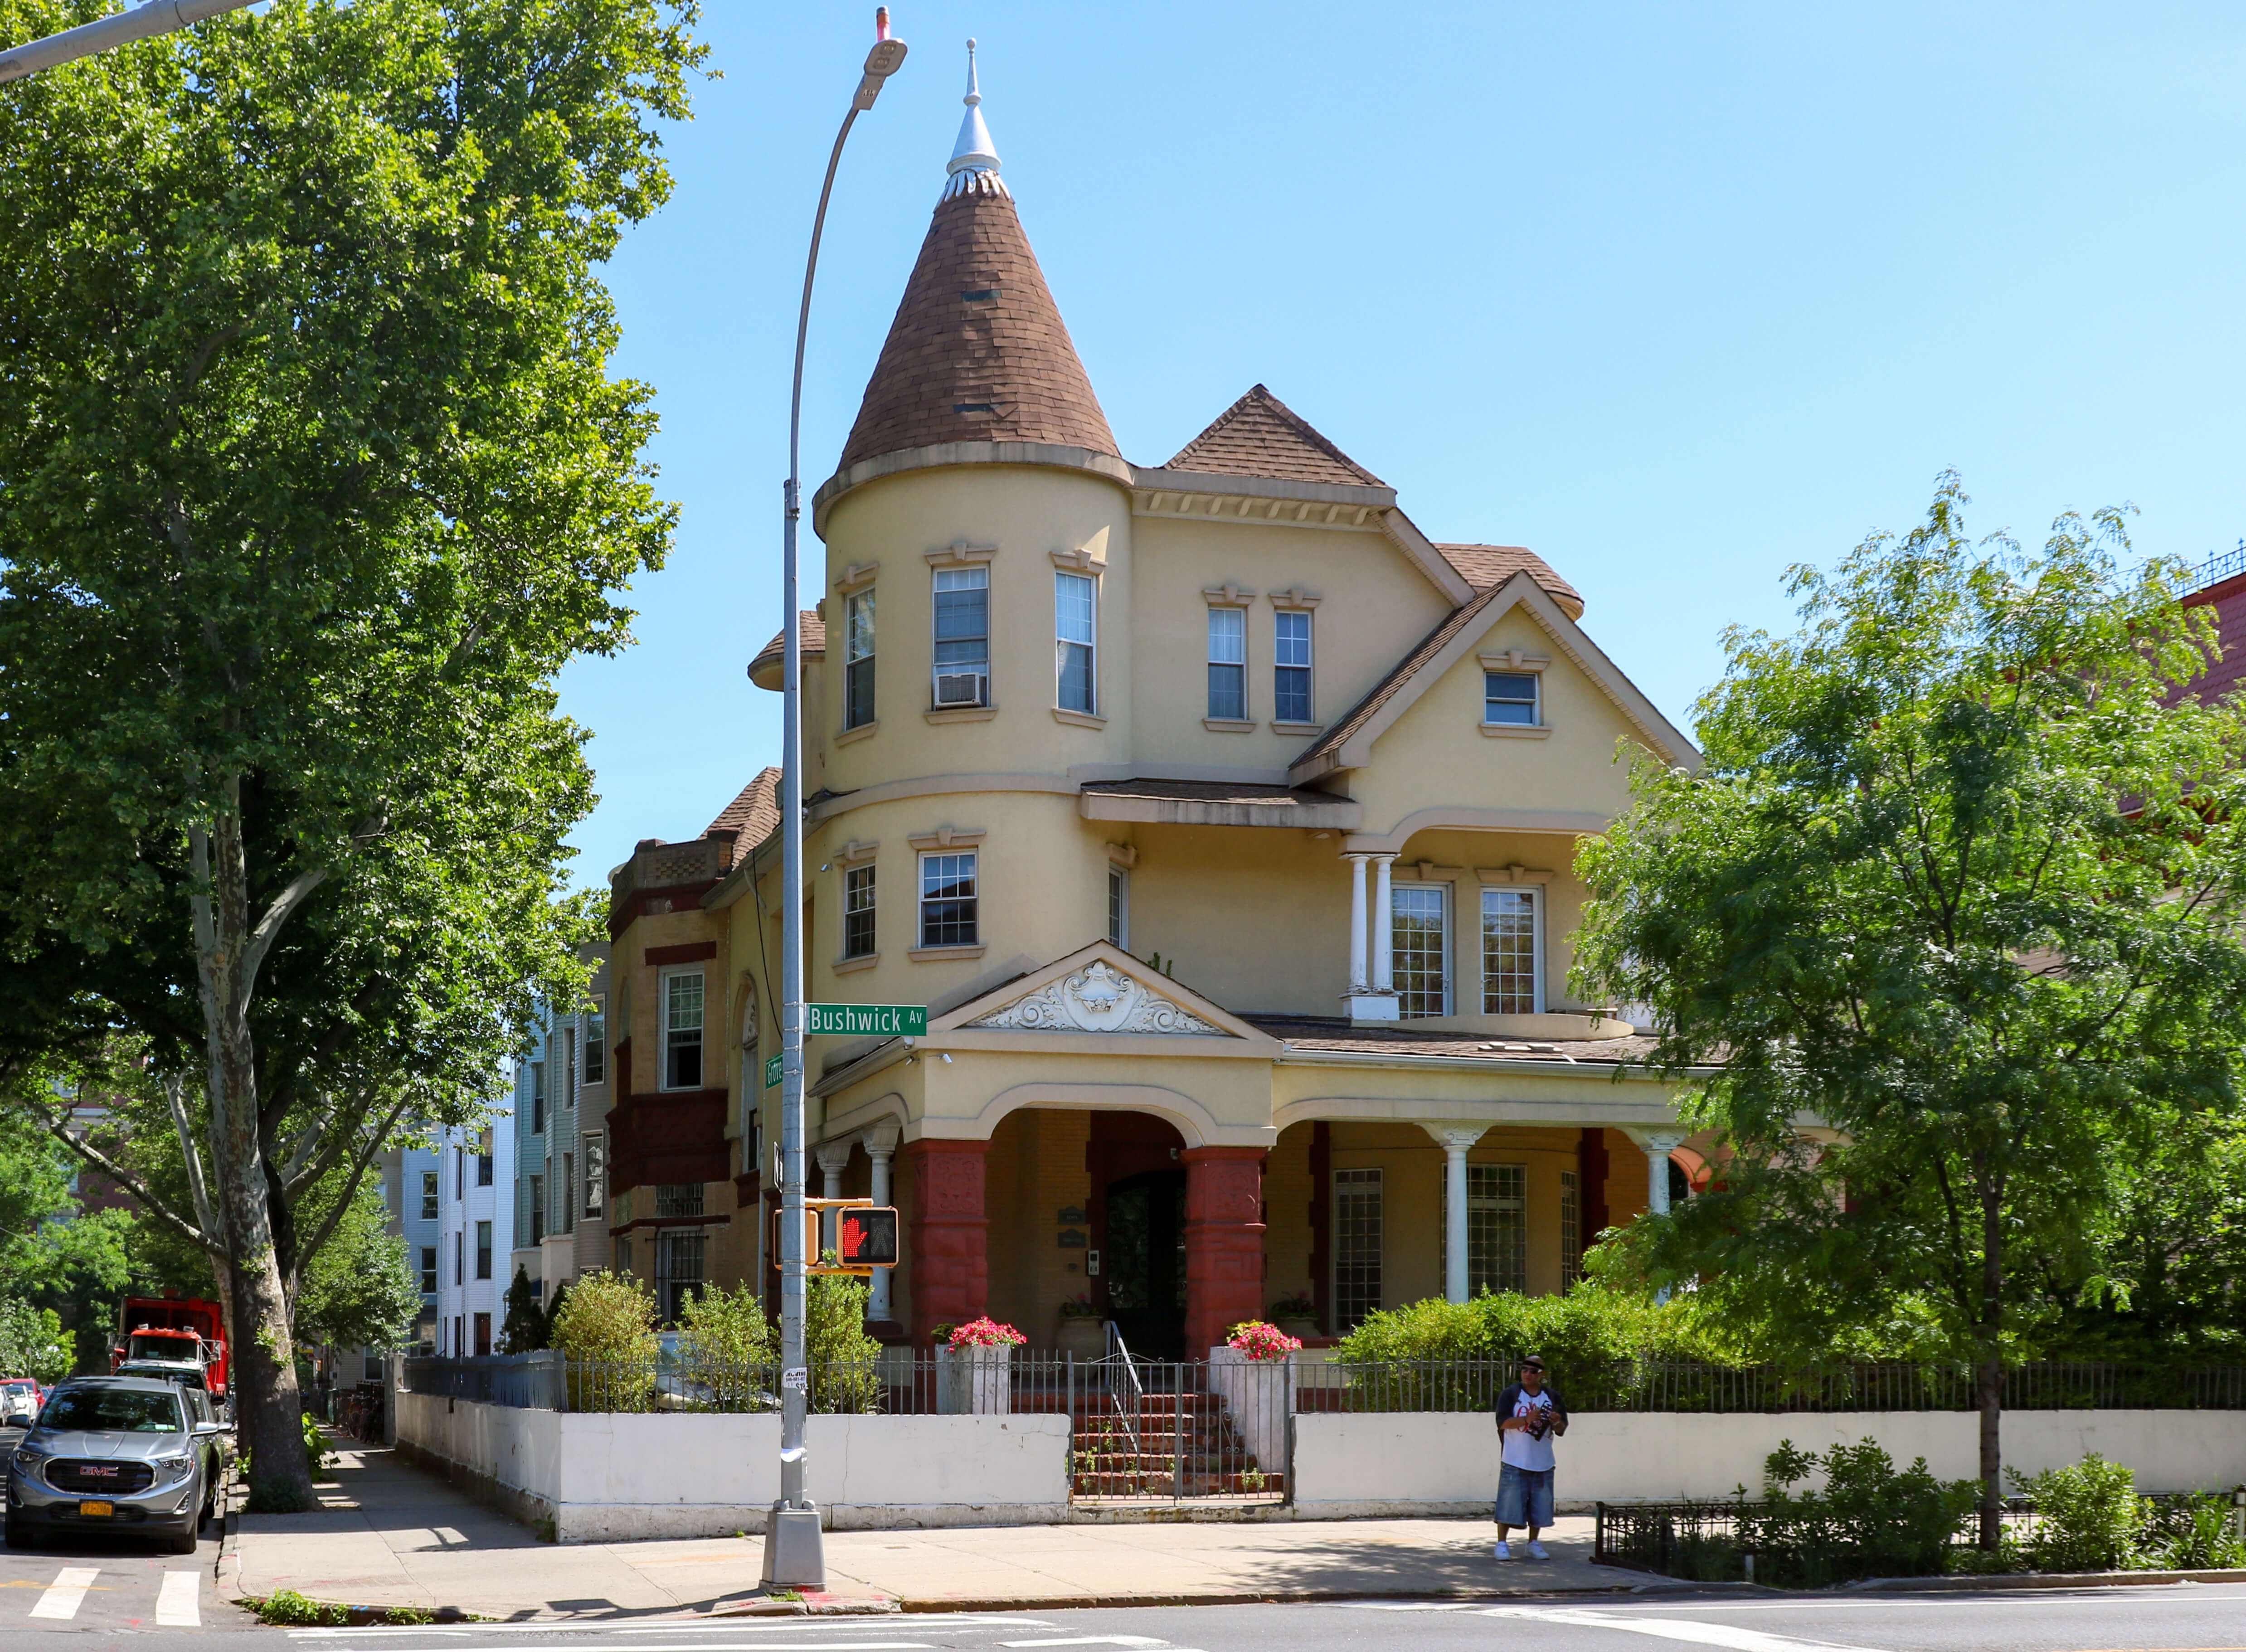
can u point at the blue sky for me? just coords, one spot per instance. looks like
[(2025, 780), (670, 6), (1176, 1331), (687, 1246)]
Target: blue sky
[(1677, 295)]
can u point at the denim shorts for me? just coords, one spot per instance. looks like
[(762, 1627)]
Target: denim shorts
[(1524, 1496)]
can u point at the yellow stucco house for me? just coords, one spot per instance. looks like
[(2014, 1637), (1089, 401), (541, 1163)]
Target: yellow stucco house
[(1223, 822)]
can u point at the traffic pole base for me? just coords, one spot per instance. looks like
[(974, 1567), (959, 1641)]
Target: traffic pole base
[(795, 1551)]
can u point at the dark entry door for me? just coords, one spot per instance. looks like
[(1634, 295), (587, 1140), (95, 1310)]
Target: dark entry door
[(1145, 1261)]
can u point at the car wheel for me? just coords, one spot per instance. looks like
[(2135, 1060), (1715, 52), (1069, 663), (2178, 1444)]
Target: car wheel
[(184, 1542)]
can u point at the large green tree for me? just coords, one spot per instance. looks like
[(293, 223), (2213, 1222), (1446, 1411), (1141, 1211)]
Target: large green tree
[(1953, 910), (312, 476)]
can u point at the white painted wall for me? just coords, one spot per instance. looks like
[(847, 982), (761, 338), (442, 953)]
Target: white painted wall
[(607, 1476), (1431, 1463)]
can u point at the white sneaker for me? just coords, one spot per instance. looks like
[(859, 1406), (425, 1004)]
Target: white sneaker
[(1502, 1551), (1536, 1551)]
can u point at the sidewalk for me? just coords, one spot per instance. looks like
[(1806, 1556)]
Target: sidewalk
[(388, 1535)]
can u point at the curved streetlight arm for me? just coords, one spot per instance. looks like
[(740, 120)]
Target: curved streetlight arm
[(157, 17)]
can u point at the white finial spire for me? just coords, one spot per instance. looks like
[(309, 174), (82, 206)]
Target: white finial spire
[(974, 151)]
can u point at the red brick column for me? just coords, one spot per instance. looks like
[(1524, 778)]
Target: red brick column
[(1224, 1243), (949, 1234)]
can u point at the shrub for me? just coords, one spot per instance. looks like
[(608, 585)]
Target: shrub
[(606, 1328), (844, 1378), (2192, 1533), (724, 1345), (525, 1328), (286, 1605), (1591, 1326), (1868, 1520), (2088, 1516), (316, 1448)]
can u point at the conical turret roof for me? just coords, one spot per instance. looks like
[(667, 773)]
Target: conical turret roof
[(978, 351)]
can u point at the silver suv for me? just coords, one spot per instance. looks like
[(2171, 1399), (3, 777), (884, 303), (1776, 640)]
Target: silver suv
[(125, 1454)]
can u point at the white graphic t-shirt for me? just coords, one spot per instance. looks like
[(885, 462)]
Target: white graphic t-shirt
[(1531, 1448)]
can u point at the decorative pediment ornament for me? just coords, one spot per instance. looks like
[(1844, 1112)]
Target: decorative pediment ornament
[(1097, 998)]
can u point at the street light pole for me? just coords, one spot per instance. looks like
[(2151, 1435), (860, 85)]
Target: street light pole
[(794, 1553), (157, 17)]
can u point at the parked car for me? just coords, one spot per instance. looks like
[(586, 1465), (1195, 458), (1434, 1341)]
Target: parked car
[(129, 1454), (20, 1398)]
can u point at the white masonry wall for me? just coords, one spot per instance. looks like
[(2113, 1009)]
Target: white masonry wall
[(1367, 1464)]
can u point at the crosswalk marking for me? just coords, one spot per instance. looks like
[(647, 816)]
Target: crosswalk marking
[(1090, 1640), (66, 1594), (1723, 1634), (177, 1603)]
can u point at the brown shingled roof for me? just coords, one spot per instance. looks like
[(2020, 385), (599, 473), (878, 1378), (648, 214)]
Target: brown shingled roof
[(1483, 566), (1382, 691), (978, 351), (753, 816), (1260, 435), (813, 643)]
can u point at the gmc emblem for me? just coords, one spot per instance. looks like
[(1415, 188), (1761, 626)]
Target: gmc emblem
[(98, 1472)]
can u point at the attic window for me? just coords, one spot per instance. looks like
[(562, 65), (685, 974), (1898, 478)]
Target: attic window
[(974, 407), (980, 295)]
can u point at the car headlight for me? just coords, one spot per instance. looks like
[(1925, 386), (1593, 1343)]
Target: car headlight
[(173, 1468), (28, 1459)]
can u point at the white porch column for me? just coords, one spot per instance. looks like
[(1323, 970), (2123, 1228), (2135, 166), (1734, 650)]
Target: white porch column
[(833, 1160), (1659, 1145), (880, 1143), (1383, 929), (1358, 979), (1454, 1141)]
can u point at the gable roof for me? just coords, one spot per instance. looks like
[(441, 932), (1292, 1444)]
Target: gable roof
[(1346, 744), (977, 352), (1260, 435), (764, 670), (1484, 566), (1214, 1020)]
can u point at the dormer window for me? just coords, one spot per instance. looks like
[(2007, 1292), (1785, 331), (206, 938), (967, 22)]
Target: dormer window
[(1509, 698)]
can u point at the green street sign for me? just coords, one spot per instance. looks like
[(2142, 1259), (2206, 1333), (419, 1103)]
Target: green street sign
[(771, 1071), (867, 1020)]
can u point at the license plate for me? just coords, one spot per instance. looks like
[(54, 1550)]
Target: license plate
[(96, 1508)]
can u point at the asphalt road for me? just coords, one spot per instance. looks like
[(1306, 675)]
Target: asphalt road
[(120, 1609)]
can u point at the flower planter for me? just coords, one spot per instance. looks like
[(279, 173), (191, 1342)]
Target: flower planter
[(975, 1380), (1084, 1337), (1259, 1395)]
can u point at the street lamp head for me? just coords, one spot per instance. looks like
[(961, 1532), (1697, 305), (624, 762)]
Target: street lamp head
[(884, 60)]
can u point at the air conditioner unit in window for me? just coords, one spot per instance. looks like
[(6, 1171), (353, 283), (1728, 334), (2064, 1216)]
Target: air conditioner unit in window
[(961, 688)]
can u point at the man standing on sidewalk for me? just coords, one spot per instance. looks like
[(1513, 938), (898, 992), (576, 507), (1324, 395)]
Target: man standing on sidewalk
[(1528, 1415)]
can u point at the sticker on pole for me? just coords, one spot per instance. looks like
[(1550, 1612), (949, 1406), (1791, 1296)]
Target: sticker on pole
[(797, 1378), (867, 1020), (771, 1071)]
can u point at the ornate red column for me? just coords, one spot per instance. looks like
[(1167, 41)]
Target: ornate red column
[(949, 1234), (1224, 1243)]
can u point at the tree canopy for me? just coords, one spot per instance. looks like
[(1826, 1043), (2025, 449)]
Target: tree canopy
[(1946, 931)]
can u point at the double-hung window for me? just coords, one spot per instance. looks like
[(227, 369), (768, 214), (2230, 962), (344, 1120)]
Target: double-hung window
[(1497, 1227), (483, 1250), (1227, 664), (596, 1170), (1118, 906), (1357, 1246), (858, 912), (429, 1195), (1510, 697), (1509, 949), (858, 659), (947, 901), (596, 1043), (1419, 939), (1290, 666), (1075, 621), (682, 1030), (428, 1270), (569, 1193), (484, 1158), (537, 1097), (963, 636), (537, 1203)]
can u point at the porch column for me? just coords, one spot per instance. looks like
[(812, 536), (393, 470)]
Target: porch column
[(1383, 929), (950, 1233), (1659, 1145), (833, 1160), (1224, 1242), (1454, 1141), (880, 1143), (1358, 980)]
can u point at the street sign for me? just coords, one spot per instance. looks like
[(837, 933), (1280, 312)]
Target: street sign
[(771, 1071), (863, 1020)]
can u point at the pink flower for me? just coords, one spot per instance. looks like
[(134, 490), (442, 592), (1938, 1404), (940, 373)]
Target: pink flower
[(1257, 1340), (986, 1333)]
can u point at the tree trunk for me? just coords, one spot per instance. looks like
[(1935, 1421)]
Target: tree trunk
[(1989, 1377), (268, 1408)]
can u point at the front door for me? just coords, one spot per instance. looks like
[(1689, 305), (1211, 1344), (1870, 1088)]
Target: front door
[(1145, 1261)]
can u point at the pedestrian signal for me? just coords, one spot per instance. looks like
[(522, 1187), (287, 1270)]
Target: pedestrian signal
[(867, 1238)]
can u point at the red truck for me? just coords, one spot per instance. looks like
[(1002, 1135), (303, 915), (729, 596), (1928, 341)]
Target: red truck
[(178, 1336)]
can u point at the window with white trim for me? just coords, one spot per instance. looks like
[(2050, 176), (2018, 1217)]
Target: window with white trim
[(858, 912), (1420, 947), (949, 906), (963, 636), (1227, 664), (1357, 1246), (858, 659), (1075, 608), (682, 1030), (596, 1043), (1509, 698), (1290, 665), (429, 1195), (1511, 931), (537, 1097), (596, 1170), (1118, 906)]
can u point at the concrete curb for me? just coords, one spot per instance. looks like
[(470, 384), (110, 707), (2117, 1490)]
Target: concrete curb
[(226, 1572), (2030, 1580)]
